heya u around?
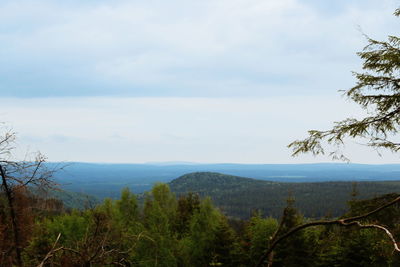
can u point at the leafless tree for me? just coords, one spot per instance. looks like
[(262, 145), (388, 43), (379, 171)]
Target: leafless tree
[(16, 176)]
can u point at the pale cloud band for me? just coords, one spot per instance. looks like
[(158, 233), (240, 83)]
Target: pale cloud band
[(246, 130), (210, 48)]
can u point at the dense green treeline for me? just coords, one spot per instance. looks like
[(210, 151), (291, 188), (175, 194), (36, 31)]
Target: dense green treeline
[(239, 197), (186, 231)]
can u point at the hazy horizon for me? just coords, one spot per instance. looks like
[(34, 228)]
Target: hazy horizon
[(183, 163)]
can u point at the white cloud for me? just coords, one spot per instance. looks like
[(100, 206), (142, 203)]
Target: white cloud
[(244, 130), (285, 57), (180, 48)]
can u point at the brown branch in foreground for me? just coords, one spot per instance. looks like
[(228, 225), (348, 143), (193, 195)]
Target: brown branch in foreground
[(51, 252), (54, 250), (387, 232), (341, 222), (275, 236)]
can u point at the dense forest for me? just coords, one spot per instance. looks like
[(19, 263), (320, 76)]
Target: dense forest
[(239, 197), (184, 231)]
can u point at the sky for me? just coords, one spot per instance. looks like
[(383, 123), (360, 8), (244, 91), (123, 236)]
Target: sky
[(199, 81)]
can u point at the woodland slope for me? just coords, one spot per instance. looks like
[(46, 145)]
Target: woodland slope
[(239, 197)]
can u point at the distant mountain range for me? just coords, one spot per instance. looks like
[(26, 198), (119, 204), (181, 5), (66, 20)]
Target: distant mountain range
[(107, 180)]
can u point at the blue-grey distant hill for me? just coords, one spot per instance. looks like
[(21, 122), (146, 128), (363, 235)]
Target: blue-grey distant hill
[(107, 180)]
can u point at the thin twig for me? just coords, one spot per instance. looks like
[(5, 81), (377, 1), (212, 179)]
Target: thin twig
[(51, 252)]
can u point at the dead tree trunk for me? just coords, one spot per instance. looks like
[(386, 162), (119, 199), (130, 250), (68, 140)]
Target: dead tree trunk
[(12, 215)]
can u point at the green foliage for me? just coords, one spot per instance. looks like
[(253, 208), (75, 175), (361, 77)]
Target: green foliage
[(127, 208), (259, 232), (72, 228), (363, 248), (202, 230), (227, 251), (158, 245), (70, 200), (297, 249), (192, 232), (187, 206), (357, 246)]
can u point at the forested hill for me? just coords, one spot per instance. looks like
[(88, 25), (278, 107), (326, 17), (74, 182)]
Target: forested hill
[(212, 182), (70, 200), (239, 196), (107, 180)]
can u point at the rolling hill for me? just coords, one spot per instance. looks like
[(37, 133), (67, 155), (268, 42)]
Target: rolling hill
[(239, 196), (107, 180)]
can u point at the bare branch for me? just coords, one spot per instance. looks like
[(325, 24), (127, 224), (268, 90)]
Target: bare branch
[(341, 222), (380, 227), (51, 252)]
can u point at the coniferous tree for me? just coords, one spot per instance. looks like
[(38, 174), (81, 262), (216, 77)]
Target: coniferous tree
[(298, 249), (186, 207), (227, 250), (377, 91), (199, 244), (259, 231)]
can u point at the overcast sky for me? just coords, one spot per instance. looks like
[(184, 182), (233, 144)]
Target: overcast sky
[(202, 81)]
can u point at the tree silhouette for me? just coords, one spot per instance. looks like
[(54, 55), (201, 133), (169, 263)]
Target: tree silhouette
[(16, 177)]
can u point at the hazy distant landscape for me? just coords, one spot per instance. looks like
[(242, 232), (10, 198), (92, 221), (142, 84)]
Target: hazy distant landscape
[(107, 180), (237, 189)]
